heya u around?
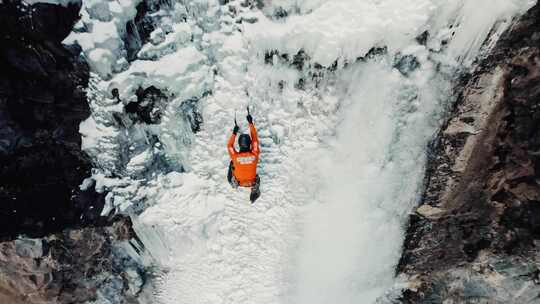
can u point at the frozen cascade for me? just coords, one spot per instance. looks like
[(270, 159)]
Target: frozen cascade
[(346, 99)]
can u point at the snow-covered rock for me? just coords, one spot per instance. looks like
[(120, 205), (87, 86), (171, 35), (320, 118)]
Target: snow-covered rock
[(57, 2)]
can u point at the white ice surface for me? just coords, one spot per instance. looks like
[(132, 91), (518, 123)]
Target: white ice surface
[(344, 29), (58, 2), (341, 162), (91, 132)]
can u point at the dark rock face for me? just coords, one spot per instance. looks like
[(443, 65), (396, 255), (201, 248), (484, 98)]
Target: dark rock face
[(138, 30), (149, 106), (406, 64), (75, 266), (42, 102), (475, 238), (193, 116)]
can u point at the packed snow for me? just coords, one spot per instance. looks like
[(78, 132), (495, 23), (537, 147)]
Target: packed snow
[(345, 99), (57, 2)]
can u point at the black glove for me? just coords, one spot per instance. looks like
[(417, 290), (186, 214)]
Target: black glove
[(235, 130)]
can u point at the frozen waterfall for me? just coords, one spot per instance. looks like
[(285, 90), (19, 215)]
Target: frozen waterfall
[(346, 96)]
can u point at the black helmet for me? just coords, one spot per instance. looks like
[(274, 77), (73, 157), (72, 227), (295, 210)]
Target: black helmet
[(244, 141)]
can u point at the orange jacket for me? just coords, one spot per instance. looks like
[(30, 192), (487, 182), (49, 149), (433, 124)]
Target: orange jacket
[(245, 163)]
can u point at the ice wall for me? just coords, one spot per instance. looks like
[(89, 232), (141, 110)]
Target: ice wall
[(346, 96)]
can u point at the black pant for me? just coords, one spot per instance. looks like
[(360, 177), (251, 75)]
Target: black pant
[(230, 176)]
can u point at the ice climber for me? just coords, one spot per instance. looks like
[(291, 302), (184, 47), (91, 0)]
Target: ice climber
[(243, 165)]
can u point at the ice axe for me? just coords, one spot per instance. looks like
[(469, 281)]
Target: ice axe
[(249, 117), (248, 110)]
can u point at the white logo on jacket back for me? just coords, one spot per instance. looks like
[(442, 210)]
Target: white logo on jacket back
[(244, 160)]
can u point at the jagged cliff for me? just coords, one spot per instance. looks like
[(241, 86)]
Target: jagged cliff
[(73, 255), (42, 102), (474, 238)]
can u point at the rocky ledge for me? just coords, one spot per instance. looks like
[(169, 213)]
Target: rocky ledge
[(475, 237), (75, 266)]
